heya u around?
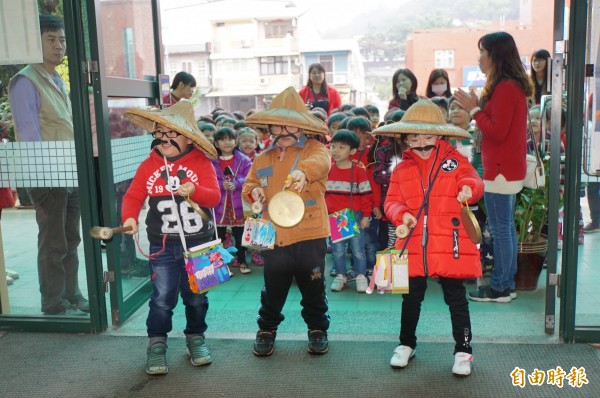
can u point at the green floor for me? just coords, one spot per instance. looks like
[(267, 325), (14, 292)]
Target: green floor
[(233, 307)]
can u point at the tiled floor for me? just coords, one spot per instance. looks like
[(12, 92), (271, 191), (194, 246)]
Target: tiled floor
[(233, 307)]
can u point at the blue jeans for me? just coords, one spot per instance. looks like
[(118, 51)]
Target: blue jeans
[(501, 219), (359, 260), (169, 279), (371, 239)]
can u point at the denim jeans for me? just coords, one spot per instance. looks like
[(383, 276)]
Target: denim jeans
[(359, 260), (501, 218), (169, 279), (371, 239)]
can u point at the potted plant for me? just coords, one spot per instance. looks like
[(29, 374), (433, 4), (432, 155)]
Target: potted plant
[(531, 216)]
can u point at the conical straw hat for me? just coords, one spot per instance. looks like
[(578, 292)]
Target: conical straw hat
[(423, 117), (178, 117), (288, 109)]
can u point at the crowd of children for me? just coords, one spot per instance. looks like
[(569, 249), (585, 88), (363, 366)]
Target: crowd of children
[(353, 171)]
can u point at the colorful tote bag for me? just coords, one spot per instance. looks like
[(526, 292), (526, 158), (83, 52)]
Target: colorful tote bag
[(343, 225), (390, 273), (259, 234), (206, 266)]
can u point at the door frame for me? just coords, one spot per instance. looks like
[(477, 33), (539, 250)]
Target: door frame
[(122, 307), (96, 322), (577, 48)]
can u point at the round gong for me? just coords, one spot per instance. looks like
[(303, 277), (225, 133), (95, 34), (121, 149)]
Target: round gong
[(471, 225), (286, 209)]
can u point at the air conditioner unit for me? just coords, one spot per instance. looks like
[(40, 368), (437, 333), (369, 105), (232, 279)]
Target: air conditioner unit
[(263, 81)]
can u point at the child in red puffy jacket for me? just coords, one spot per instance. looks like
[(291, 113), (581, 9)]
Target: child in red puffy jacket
[(426, 192)]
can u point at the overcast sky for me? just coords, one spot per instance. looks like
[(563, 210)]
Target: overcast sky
[(335, 13), (328, 13)]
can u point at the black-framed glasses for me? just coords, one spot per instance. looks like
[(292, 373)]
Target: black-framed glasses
[(276, 130), (168, 134)]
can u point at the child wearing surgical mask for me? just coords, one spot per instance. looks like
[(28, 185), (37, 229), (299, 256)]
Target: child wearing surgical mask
[(438, 84)]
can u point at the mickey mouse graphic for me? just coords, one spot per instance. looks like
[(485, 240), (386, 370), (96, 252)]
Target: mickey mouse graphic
[(173, 182)]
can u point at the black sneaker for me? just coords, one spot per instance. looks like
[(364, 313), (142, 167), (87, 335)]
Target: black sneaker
[(486, 294), (265, 340), (591, 228), (317, 342)]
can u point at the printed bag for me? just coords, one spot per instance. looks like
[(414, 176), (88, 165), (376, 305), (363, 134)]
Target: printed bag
[(343, 225), (206, 266), (390, 273), (259, 234)]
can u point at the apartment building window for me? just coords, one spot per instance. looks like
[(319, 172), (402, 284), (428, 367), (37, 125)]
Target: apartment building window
[(444, 58), (202, 69), (327, 62), (274, 30), (186, 66), (173, 68), (232, 65), (129, 53), (273, 65)]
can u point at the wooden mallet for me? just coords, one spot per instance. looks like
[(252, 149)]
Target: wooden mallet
[(402, 230), (106, 233)]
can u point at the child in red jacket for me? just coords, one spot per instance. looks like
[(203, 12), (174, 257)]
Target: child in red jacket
[(178, 167), (426, 192), (348, 187)]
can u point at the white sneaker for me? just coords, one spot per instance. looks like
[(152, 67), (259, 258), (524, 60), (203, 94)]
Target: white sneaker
[(462, 364), (402, 354), (362, 283), (12, 274), (338, 283)]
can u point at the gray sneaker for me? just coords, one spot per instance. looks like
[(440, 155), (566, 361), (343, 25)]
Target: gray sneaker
[(156, 359), (198, 351), (318, 344), (82, 305)]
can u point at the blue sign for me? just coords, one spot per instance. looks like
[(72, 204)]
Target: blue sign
[(473, 77)]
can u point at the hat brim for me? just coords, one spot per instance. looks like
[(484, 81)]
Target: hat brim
[(444, 130), (288, 117), (146, 119)]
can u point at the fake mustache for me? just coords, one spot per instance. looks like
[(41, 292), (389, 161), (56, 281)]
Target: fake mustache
[(158, 141), (285, 136), (423, 148)]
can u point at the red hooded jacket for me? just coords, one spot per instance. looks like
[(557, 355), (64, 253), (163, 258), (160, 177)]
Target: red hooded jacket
[(441, 256)]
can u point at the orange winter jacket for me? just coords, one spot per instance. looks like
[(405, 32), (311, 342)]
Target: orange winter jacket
[(270, 172), (448, 251)]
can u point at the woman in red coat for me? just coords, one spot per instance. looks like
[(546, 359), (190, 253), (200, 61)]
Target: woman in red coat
[(317, 93), (435, 177), (501, 115)]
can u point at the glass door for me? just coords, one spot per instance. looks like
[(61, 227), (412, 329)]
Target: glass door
[(124, 64), (47, 260), (580, 301), (581, 290)]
